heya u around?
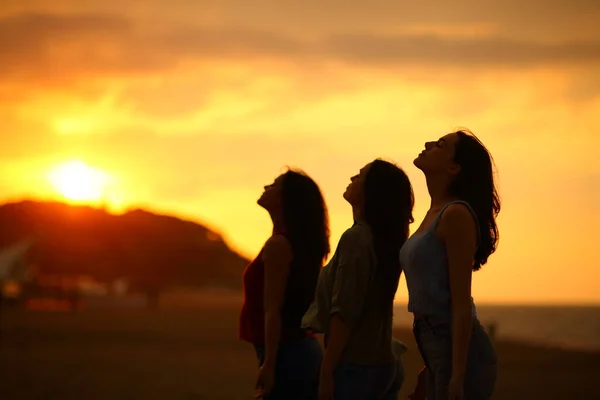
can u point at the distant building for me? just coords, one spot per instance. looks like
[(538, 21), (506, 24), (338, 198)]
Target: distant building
[(22, 283)]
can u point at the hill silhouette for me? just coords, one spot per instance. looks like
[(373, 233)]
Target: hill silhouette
[(152, 251)]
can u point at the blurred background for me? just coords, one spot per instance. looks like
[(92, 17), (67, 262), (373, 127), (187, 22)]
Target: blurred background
[(137, 136)]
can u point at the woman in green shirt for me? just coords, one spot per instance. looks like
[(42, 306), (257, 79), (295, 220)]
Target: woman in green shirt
[(354, 299)]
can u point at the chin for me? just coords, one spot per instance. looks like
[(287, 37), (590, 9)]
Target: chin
[(417, 162)]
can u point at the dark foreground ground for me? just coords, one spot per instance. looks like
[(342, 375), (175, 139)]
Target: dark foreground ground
[(194, 354)]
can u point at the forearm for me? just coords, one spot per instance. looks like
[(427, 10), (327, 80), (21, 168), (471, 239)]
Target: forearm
[(272, 337), (339, 334), (421, 387), (462, 324)]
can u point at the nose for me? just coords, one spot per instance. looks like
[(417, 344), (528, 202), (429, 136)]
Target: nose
[(428, 145)]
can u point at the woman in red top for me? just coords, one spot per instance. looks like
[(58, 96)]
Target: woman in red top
[(279, 286)]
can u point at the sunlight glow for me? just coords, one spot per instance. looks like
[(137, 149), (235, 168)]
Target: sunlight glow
[(70, 126), (79, 182)]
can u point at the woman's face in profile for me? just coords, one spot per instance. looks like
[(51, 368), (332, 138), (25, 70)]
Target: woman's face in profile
[(438, 156), (271, 197), (354, 193)]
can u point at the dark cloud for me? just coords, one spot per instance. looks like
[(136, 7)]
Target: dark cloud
[(488, 52), (29, 40), (80, 45), (60, 46), (207, 42)]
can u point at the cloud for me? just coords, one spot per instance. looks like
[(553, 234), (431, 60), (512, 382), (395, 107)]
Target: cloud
[(489, 52), (30, 41), (57, 45), (60, 46), (170, 98), (75, 46)]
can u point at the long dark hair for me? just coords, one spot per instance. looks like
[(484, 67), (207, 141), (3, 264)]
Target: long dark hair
[(388, 207), (305, 217), (474, 184)]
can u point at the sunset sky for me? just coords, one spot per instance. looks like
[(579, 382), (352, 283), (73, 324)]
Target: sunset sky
[(190, 107)]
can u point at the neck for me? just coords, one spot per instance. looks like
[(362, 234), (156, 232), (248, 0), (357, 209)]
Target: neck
[(438, 191), (277, 220), (357, 213)]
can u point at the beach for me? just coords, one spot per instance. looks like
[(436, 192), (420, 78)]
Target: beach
[(193, 353)]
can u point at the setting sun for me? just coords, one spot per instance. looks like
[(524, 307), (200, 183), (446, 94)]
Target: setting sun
[(78, 181)]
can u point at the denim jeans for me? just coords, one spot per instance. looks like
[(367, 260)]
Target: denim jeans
[(368, 382), (434, 338), (296, 369)]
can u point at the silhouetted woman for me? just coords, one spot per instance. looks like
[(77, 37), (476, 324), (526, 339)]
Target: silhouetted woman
[(355, 293), (456, 237), (279, 285)]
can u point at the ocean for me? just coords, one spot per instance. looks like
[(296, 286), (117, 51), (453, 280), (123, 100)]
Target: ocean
[(563, 326)]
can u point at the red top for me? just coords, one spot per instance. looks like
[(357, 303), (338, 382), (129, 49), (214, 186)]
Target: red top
[(298, 296)]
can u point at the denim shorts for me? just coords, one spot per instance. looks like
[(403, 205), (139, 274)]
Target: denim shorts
[(296, 369), (434, 338), (368, 382)]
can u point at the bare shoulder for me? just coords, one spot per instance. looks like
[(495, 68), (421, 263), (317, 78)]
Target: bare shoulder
[(457, 221), (277, 247), (278, 241), (457, 214)]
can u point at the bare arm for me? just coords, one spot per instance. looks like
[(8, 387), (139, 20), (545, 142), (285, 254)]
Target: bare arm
[(277, 256), (420, 390), (459, 232), (339, 333)]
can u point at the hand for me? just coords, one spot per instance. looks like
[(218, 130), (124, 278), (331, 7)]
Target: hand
[(421, 388), (455, 389), (265, 381), (326, 386)]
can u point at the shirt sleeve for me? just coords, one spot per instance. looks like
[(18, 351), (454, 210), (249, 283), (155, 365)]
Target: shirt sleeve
[(353, 275)]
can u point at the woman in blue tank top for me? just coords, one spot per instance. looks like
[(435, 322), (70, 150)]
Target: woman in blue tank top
[(456, 237)]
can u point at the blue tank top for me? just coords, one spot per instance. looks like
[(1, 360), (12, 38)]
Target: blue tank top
[(424, 261)]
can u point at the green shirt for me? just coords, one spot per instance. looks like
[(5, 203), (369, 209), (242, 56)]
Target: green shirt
[(345, 287)]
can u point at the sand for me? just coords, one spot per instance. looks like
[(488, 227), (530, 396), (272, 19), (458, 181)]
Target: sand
[(193, 354)]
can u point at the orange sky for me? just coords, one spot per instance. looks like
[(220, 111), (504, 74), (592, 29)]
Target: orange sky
[(192, 106)]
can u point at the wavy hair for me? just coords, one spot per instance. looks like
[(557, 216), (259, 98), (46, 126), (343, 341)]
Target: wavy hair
[(305, 216), (388, 208), (475, 184)]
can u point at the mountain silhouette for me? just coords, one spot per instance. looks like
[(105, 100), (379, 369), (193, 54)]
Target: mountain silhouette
[(152, 251)]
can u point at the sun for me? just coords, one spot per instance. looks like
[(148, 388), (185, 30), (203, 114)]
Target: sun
[(77, 181)]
